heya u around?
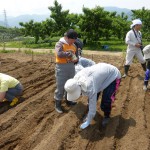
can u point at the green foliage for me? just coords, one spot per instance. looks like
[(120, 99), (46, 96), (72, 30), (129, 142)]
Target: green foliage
[(113, 45), (7, 51), (28, 51), (120, 26), (46, 43), (93, 26), (95, 23), (7, 34), (32, 28), (60, 18), (144, 15)]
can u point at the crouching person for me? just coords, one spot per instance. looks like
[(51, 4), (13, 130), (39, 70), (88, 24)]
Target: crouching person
[(146, 52), (10, 89), (91, 81)]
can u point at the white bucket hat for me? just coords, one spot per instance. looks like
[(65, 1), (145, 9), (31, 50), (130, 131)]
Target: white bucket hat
[(146, 52), (136, 22), (73, 90)]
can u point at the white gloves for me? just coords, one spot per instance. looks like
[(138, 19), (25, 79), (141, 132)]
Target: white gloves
[(85, 124), (144, 88)]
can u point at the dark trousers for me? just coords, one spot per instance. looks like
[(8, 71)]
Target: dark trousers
[(148, 64), (108, 97), (13, 92)]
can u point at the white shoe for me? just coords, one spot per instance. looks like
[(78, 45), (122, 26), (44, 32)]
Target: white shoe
[(144, 88), (124, 76)]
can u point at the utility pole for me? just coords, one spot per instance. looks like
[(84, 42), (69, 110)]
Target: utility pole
[(6, 25), (5, 19)]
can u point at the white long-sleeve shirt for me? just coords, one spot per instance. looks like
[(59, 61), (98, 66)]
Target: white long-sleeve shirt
[(95, 79), (131, 40)]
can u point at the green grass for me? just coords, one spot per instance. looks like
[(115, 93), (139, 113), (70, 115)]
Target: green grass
[(7, 51), (12, 44), (113, 44)]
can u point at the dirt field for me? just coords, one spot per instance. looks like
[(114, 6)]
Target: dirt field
[(33, 124)]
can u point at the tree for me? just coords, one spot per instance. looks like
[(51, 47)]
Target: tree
[(32, 28), (59, 17), (120, 25), (95, 23), (9, 33), (47, 28)]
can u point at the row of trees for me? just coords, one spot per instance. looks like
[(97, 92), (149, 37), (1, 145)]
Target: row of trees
[(9, 33), (91, 25)]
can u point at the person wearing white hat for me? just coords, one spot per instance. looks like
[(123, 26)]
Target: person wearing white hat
[(134, 48), (146, 52), (91, 81)]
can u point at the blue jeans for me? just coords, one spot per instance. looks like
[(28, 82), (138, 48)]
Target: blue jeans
[(14, 92)]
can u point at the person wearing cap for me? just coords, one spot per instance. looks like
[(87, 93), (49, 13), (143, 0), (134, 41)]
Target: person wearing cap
[(65, 50), (134, 48), (78, 43), (146, 52), (10, 89), (83, 63), (91, 81)]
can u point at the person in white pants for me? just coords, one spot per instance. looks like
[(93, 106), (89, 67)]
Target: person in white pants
[(134, 48)]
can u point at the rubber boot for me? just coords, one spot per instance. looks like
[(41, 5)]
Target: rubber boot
[(58, 106), (144, 66), (126, 69)]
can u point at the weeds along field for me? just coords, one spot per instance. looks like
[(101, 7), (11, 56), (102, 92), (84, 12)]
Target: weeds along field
[(33, 124)]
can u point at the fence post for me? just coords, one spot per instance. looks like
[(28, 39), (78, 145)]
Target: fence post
[(32, 55), (3, 42)]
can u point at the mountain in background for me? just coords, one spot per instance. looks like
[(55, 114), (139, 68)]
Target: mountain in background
[(14, 21), (127, 12)]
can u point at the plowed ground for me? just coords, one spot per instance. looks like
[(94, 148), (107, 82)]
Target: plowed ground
[(33, 124)]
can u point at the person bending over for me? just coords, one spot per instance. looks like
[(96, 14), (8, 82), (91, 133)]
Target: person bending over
[(91, 81)]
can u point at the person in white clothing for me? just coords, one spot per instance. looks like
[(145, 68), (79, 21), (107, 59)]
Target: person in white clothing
[(134, 48), (91, 81), (83, 63), (146, 52)]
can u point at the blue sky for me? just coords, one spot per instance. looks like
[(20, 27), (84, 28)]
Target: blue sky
[(20, 7)]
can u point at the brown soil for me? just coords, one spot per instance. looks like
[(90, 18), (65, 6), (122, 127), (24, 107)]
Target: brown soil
[(33, 124)]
